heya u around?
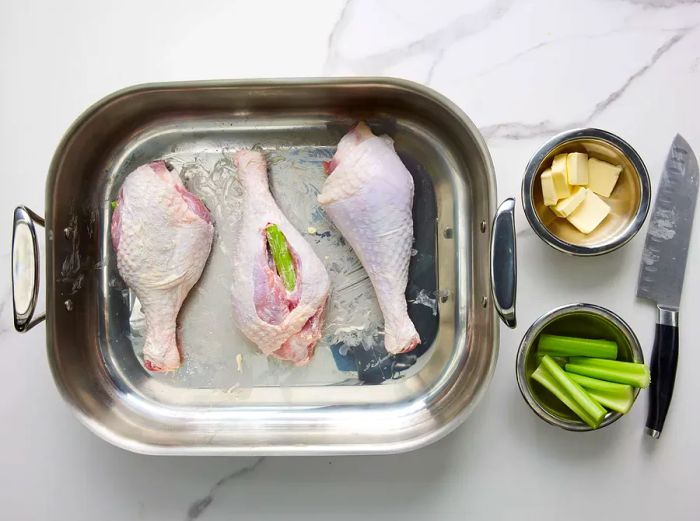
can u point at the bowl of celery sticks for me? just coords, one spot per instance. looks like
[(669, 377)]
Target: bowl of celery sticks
[(580, 367)]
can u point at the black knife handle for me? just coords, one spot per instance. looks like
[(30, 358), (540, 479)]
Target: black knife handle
[(664, 359)]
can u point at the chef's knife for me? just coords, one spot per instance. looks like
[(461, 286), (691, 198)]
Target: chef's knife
[(662, 270)]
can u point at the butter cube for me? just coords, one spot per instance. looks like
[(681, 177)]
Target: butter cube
[(566, 207), (558, 174), (561, 186), (559, 164), (577, 168), (602, 176), (549, 192), (561, 182), (590, 213)]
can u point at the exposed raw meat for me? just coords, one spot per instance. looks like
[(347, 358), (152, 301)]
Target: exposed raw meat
[(369, 197), (162, 235), (285, 323)]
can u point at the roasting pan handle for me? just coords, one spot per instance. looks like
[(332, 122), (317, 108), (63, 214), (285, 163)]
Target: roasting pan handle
[(25, 268), (504, 267)]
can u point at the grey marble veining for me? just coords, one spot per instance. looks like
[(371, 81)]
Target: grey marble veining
[(434, 42), (515, 130), (198, 507)]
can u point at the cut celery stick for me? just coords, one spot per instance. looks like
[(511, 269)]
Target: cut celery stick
[(543, 376), (601, 385), (632, 369), (621, 404), (281, 256), (616, 397), (618, 365), (592, 408), (561, 360), (611, 374), (555, 345)]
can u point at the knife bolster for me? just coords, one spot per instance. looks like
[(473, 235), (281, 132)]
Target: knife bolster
[(667, 317)]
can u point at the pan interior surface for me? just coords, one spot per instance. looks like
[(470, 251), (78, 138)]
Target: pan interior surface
[(227, 398)]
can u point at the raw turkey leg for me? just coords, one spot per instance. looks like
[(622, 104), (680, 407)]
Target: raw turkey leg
[(283, 320), (162, 235), (369, 196)]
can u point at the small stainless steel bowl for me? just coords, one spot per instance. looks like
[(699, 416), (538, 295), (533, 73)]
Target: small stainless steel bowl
[(582, 320), (629, 201)]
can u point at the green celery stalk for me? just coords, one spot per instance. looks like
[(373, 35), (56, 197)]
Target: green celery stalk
[(562, 361), (281, 256), (601, 385), (555, 345), (616, 397), (543, 376), (618, 365), (613, 402), (592, 408), (611, 372)]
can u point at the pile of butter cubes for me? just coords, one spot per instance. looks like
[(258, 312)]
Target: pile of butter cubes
[(572, 186)]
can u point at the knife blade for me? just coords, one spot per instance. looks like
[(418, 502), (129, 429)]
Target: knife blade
[(662, 271)]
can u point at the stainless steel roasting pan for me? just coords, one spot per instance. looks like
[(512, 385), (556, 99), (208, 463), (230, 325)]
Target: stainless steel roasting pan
[(227, 399)]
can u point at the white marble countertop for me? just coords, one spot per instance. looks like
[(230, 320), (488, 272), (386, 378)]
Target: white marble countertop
[(522, 71)]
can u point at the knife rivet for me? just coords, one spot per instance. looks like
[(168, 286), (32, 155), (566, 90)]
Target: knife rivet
[(483, 227)]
